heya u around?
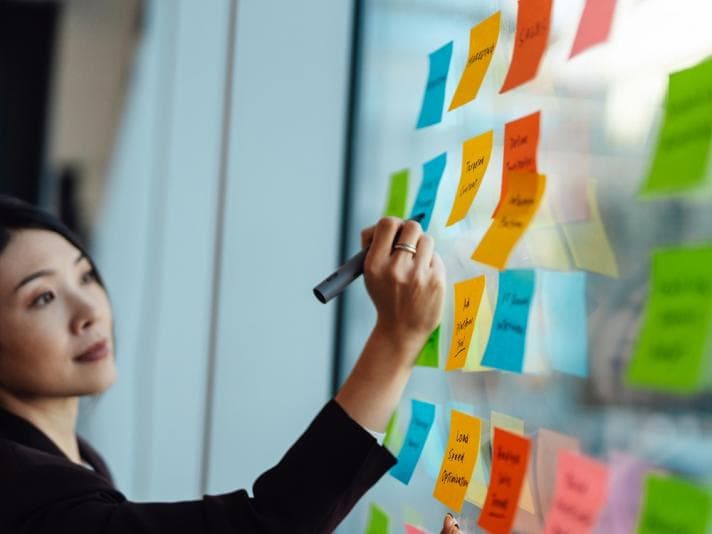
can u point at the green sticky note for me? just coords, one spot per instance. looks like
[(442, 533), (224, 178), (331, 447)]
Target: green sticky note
[(377, 521), (428, 356), (673, 505), (673, 346), (390, 430), (682, 155), (397, 195)]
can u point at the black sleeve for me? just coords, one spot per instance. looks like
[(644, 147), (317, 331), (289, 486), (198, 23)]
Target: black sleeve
[(310, 490)]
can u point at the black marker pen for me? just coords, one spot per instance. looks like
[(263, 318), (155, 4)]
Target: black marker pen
[(337, 281)]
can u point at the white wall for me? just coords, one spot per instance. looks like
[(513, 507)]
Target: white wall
[(156, 243)]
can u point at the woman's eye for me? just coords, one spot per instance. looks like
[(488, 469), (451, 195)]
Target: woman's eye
[(89, 276), (44, 299)]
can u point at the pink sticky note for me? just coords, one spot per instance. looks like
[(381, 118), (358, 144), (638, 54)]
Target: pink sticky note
[(410, 529), (548, 446), (625, 488), (581, 491), (594, 26)]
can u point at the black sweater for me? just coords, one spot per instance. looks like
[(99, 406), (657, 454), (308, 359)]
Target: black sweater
[(310, 490)]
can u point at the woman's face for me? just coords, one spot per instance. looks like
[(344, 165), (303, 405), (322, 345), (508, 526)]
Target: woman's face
[(52, 311)]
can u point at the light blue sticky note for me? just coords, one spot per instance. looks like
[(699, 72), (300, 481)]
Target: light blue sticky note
[(505, 348), (563, 297), (421, 420), (434, 98), (428, 191)]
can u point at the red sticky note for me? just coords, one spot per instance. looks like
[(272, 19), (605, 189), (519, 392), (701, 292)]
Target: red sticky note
[(533, 22), (581, 490), (521, 142), (410, 529), (594, 26), (510, 457)]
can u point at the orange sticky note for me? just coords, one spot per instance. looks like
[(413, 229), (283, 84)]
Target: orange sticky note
[(510, 457), (461, 452), (533, 22), (581, 489), (483, 41), (475, 159), (521, 141), (519, 207), (468, 295)]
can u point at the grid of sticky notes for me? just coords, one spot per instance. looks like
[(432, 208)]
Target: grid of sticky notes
[(531, 479)]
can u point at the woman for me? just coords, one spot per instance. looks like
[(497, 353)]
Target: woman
[(56, 344)]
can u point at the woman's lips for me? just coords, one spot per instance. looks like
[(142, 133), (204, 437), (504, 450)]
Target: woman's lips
[(95, 353)]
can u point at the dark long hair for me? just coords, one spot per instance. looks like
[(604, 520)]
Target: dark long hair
[(16, 214)]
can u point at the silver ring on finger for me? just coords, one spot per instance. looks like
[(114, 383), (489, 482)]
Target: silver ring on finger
[(405, 246)]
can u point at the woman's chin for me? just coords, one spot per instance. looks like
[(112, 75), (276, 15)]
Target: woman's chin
[(99, 381)]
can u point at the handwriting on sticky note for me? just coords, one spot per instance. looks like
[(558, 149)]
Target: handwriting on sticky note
[(594, 26), (581, 490), (459, 460), (475, 159), (674, 505), (521, 143), (563, 297), (505, 348), (533, 23), (427, 192), (377, 520), (429, 354), (683, 149), (510, 458), (521, 202), (671, 348), (468, 295), (483, 41), (397, 195), (423, 415), (431, 111)]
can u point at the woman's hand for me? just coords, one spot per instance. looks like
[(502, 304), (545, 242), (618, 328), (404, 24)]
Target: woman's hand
[(406, 288), (450, 526)]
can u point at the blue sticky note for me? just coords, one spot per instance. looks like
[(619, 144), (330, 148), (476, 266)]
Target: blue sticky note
[(505, 348), (425, 200), (432, 110), (423, 415), (564, 304)]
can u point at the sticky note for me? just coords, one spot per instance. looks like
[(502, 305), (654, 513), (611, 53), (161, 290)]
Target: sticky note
[(671, 348), (625, 487), (478, 343), (594, 26), (510, 458), (681, 158), (377, 521), (673, 505), (410, 529), (466, 303), (505, 348), (459, 460), (563, 297), (397, 195), (475, 159), (393, 439), (515, 426), (421, 420), (588, 240), (477, 490), (425, 200), (533, 23), (548, 446), (483, 41), (581, 491), (546, 248), (429, 354), (433, 452), (520, 204), (521, 143), (431, 111)]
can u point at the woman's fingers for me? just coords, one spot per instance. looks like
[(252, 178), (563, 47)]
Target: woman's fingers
[(385, 232), (424, 255), (367, 236), (409, 235)]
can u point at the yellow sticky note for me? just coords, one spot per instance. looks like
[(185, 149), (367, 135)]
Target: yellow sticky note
[(477, 490), (483, 41), (461, 453), (588, 240), (547, 248), (515, 426), (478, 344), (476, 154), (468, 295), (520, 204)]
